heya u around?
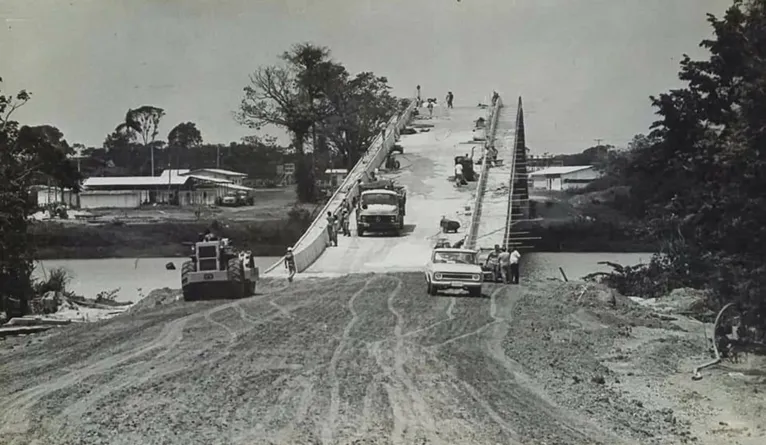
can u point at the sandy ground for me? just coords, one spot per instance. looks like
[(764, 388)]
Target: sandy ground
[(372, 359), (426, 165)]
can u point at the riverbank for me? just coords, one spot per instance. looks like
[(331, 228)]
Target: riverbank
[(55, 240), (584, 235), (588, 222)]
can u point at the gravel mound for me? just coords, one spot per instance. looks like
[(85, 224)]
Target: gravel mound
[(560, 338)]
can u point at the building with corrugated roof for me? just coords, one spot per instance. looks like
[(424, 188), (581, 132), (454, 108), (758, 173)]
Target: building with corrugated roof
[(174, 187), (563, 178)]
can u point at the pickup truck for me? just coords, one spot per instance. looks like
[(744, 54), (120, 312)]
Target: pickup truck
[(451, 268)]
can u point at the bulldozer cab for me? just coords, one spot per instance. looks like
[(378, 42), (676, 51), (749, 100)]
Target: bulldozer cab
[(211, 255)]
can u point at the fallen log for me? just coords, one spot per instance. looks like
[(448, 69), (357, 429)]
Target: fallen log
[(7, 331)]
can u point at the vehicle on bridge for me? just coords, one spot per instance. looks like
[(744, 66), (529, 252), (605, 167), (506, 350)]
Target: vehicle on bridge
[(451, 268), (216, 270), (381, 207)]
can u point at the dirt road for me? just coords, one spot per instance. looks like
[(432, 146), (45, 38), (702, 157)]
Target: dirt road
[(358, 359), (370, 358)]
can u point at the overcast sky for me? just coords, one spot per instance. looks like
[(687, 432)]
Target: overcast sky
[(584, 68)]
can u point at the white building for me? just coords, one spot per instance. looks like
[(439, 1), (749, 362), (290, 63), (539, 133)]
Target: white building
[(217, 173), (174, 187), (54, 195), (563, 178)]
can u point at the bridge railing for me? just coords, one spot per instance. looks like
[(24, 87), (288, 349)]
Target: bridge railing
[(315, 239), (473, 229)]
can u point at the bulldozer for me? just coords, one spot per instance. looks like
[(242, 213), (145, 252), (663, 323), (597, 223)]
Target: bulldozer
[(216, 270)]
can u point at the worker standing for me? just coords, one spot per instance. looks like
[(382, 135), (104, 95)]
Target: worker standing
[(515, 257), (331, 232), (504, 262), (419, 100), (430, 108), (344, 223), (458, 174), (290, 264), (450, 97), (492, 261)]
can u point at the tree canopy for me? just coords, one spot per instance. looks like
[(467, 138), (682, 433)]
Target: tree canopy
[(325, 110), (698, 177), (25, 153)]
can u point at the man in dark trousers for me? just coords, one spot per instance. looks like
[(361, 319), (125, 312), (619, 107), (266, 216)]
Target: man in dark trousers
[(450, 97), (331, 229)]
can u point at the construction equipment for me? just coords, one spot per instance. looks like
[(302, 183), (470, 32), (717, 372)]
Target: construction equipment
[(469, 174), (216, 270), (391, 162), (381, 207)]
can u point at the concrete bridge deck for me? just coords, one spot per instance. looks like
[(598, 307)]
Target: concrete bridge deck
[(495, 203), (426, 165)]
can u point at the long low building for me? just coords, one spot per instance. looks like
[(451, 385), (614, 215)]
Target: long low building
[(563, 178), (174, 187)]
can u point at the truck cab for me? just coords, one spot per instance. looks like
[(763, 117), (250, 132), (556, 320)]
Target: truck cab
[(379, 211), (381, 207)]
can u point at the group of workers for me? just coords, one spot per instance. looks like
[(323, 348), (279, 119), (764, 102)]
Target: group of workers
[(504, 264), (431, 102)]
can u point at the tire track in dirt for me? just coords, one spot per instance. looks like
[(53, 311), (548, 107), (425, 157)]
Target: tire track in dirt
[(328, 429), (417, 402), (15, 417), (449, 318)]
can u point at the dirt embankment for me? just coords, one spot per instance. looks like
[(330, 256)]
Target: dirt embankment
[(373, 359)]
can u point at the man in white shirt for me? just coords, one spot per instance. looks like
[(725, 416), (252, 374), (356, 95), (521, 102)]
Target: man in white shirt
[(515, 256), (458, 174)]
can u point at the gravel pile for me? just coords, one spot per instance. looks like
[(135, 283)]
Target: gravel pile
[(560, 344)]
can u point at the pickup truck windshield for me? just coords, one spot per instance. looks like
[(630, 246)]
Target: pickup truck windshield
[(455, 258), (379, 198)]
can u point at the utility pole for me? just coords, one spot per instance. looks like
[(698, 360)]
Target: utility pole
[(218, 156), (598, 142)]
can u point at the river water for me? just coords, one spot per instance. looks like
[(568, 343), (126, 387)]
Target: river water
[(137, 277)]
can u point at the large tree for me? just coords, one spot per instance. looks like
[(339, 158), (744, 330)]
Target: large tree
[(181, 139), (320, 105), (703, 182), (361, 107), (24, 152), (142, 124)]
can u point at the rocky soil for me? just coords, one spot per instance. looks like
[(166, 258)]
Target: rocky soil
[(373, 359)]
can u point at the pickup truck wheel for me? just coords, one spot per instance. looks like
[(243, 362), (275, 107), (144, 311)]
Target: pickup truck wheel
[(475, 292), (431, 289), (360, 232)]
